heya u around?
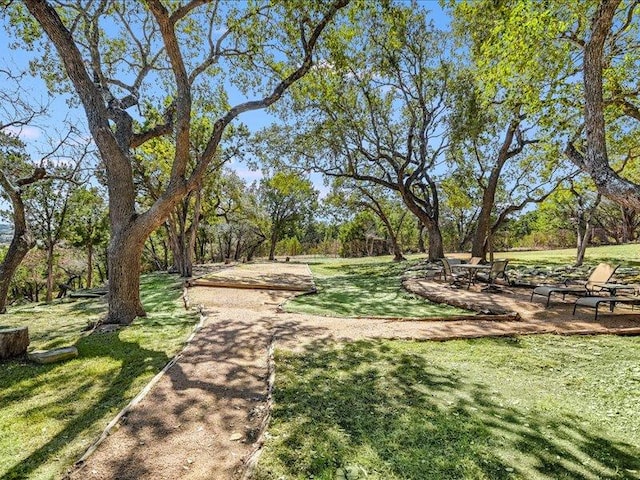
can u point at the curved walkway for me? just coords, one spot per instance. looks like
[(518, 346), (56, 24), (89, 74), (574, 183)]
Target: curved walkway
[(202, 418)]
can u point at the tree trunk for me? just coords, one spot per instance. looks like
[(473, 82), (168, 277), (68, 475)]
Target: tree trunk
[(174, 242), (585, 238), (90, 265), (20, 245), (238, 251), (49, 295), (479, 245), (480, 241), (22, 240), (421, 246), (393, 238), (583, 243), (125, 255), (397, 251), (628, 227), (100, 272), (429, 216), (595, 160), (436, 246), (187, 236), (272, 246)]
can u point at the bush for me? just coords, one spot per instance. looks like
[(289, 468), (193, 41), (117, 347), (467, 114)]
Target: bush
[(561, 238)]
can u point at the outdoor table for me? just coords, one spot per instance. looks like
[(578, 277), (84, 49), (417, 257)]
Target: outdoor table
[(473, 269)]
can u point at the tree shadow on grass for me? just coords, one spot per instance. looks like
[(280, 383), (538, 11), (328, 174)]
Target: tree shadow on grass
[(395, 415), (134, 361)]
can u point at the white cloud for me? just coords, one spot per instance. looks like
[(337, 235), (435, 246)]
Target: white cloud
[(25, 132), (247, 174)]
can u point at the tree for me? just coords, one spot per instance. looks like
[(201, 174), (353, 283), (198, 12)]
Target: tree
[(459, 194), (604, 33), (362, 236), (88, 223), (538, 49), (587, 203), (289, 201), (233, 224), (16, 175), (48, 207), (184, 49), (376, 112), (355, 197), (22, 178), (510, 169)]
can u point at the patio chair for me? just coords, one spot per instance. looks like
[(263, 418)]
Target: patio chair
[(476, 260), (601, 274), (454, 278), (498, 270)]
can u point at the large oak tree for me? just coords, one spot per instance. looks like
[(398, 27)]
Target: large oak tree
[(121, 55), (377, 113), (578, 63)]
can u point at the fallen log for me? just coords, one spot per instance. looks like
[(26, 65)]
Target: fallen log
[(52, 356)]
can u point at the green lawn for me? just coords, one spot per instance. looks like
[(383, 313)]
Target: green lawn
[(532, 408), (49, 414), (364, 287)]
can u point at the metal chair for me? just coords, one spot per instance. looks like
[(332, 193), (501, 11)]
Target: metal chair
[(454, 278), (498, 270)]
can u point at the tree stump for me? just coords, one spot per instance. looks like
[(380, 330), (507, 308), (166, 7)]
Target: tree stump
[(13, 341)]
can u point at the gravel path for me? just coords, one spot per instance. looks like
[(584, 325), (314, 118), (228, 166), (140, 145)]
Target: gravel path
[(202, 418)]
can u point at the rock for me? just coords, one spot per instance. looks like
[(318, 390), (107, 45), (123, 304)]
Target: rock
[(235, 437), (52, 356), (108, 328), (13, 341), (350, 472), (353, 472)]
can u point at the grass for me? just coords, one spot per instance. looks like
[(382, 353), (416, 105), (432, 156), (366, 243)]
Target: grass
[(540, 407), (49, 414), (364, 287)]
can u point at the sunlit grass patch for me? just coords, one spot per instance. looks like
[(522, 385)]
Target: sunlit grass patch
[(361, 288), (536, 407), (50, 413)]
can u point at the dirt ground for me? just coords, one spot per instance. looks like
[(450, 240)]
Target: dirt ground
[(202, 420)]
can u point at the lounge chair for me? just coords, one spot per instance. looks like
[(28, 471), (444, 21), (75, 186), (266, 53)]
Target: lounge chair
[(594, 302), (601, 274)]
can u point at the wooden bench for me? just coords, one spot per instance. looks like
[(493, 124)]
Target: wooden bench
[(594, 302)]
